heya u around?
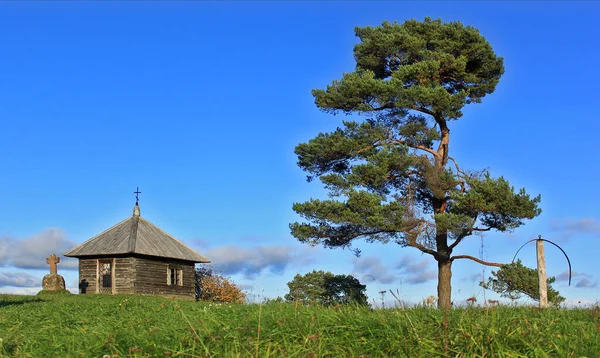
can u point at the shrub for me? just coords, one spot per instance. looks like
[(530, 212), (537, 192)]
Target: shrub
[(216, 288)]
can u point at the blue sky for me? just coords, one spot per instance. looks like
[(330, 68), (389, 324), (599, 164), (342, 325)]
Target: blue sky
[(201, 104)]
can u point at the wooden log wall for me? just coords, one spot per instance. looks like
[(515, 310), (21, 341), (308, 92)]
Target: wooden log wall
[(151, 277), (124, 276), (87, 276)]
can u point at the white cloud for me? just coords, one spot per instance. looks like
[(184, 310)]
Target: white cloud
[(372, 269), (250, 262), (414, 271), (569, 228), (20, 290), (19, 279), (585, 280), (245, 286), (31, 252), (564, 276), (475, 277), (586, 283), (408, 270)]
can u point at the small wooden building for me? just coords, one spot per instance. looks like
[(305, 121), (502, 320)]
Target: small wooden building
[(135, 256)]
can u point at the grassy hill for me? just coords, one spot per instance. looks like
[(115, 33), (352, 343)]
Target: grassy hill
[(139, 326)]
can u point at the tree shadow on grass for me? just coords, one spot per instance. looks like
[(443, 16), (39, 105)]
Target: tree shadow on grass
[(17, 301)]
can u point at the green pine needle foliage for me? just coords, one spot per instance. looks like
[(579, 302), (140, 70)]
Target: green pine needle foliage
[(514, 280)]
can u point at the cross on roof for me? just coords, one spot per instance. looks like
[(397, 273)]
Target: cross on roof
[(52, 261), (137, 192)]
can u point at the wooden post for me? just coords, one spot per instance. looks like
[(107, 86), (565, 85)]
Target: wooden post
[(541, 264)]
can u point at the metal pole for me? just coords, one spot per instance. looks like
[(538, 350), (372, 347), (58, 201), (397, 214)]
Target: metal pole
[(541, 264)]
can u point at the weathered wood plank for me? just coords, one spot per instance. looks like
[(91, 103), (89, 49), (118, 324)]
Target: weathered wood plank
[(144, 275), (87, 276), (152, 277), (124, 274)]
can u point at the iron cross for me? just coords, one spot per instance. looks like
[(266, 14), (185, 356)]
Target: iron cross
[(137, 192)]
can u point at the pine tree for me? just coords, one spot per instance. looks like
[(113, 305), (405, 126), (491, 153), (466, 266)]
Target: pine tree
[(389, 172)]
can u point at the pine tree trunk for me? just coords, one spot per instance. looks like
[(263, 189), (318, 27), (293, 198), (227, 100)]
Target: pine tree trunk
[(443, 259), (439, 207), (444, 283)]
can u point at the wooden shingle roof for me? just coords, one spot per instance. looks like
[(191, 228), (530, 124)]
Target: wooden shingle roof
[(136, 235)]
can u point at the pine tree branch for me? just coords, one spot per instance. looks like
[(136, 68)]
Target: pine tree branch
[(352, 237), (458, 170), (423, 248), (467, 233), (463, 183), (476, 260), (416, 146), (412, 240), (408, 173), (423, 110), (457, 241), (385, 106), (365, 148), (391, 105)]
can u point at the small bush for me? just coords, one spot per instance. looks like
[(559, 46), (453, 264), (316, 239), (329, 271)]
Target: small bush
[(216, 288)]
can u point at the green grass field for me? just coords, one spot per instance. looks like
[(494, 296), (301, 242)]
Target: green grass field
[(138, 326)]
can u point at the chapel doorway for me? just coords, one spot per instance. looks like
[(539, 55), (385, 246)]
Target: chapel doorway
[(105, 276)]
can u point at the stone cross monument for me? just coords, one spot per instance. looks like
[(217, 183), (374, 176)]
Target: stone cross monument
[(53, 281), (53, 261)]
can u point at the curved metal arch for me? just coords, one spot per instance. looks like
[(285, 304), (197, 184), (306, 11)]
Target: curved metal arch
[(560, 248)]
